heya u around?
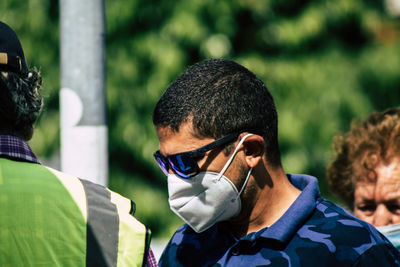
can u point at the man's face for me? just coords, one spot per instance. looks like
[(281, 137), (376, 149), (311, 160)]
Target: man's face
[(378, 202), (185, 140)]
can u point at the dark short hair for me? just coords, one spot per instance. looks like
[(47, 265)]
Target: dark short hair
[(370, 142), (20, 102), (220, 97)]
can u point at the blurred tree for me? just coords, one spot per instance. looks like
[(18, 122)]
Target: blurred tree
[(325, 62)]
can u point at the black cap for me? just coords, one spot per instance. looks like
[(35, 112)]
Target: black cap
[(11, 54)]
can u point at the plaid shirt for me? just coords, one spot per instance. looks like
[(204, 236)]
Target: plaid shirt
[(151, 260), (17, 149)]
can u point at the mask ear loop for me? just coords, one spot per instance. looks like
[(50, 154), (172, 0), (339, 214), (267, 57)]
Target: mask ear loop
[(231, 158), (245, 182)]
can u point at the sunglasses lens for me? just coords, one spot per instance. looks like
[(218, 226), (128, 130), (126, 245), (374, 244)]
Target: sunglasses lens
[(183, 165), (160, 161)]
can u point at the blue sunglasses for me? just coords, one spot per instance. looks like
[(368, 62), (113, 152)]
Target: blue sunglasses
[(185, 164)]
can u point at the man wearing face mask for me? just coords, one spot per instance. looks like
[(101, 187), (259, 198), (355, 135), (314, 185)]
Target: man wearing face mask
[(217, 130)]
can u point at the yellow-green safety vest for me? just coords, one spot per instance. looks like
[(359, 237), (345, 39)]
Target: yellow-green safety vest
[(48, 218)]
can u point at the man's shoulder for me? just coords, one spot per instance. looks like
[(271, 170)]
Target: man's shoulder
[(337, 236), (170, 252), (340, 229), (204, 248), (327, 212), (67, 178), (59, 173), (330, 232), (183, 234), (75, 184)]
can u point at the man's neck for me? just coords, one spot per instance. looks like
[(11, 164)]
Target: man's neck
[(264, 205)]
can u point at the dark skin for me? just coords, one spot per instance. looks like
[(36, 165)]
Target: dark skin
[(26, 137), (268, 193)]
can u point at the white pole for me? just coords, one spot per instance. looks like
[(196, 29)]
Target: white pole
[(393, 7), (82, 98)]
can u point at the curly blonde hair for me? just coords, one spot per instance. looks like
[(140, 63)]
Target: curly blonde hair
[(370, 142)]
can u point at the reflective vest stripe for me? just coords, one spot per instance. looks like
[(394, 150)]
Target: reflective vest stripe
[(51, 218), (74, 187), (102, 226), (130, 229), (133, 237)]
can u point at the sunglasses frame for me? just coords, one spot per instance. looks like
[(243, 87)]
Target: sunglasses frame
[(168, 163)]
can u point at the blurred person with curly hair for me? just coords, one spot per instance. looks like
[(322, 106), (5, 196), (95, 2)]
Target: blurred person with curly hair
[(365, 173)]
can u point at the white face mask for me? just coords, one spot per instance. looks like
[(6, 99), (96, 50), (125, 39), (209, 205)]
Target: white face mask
[(205, 198), (391, 232)]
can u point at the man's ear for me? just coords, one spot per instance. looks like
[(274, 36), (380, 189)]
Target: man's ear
[(254, 149)]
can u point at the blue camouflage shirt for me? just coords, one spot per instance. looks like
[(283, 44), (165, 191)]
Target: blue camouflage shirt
[(312, 232)]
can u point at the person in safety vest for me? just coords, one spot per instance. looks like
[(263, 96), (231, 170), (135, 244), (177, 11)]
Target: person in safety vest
[(49, 218)]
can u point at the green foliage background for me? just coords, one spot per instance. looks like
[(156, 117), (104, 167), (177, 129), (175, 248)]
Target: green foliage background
[(325, 62)]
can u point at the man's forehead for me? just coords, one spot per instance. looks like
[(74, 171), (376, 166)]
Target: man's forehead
[(172, 142), (164, 132)]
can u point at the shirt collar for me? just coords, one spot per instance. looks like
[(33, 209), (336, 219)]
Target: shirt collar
[(298, 212), (17, 149)]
